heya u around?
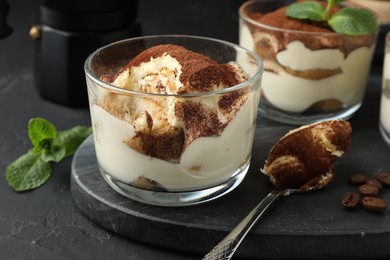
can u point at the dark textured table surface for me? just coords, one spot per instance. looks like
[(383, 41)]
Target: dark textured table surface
[(45, 223)]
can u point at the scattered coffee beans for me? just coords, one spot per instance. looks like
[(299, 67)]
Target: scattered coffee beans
[(369, 190), (374, 204), (384, 178), (375, 182), (350, 200), (358, 179)]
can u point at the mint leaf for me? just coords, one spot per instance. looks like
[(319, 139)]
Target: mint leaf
[(353, 21), (306, 10), (28, 172), (72, 138), (33, 169), (41, 133), (348, 21), (56, 154)]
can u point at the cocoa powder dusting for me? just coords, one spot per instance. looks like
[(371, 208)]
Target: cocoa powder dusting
[(280, 39), (165, 146), (231, 101), (279, 19), (203, 77), (199, 73), (311, 159), (199, 121)]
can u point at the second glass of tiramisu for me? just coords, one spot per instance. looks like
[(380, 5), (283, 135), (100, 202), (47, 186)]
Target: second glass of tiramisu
[(312, 73)]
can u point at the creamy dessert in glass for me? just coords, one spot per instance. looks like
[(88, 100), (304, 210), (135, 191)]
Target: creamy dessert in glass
[(384, 121), (311, 72), (173, 116)]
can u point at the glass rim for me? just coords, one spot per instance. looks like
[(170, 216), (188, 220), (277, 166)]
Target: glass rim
[(119, 90), (248, 19)]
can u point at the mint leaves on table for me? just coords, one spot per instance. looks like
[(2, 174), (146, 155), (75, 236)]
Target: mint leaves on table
[(348, 20), (33, 169)]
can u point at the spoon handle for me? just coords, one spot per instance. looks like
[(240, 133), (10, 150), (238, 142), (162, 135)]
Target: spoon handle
[(228, 246)]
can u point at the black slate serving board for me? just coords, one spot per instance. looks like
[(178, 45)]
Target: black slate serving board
[(312, 225)]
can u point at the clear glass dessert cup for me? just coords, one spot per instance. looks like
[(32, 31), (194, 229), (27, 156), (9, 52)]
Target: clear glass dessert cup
[(216, 156), (308, 76), (384, 119)]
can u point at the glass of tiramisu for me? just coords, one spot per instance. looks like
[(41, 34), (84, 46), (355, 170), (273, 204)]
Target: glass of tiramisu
[(173, 116), (311, 72), (384, 125)]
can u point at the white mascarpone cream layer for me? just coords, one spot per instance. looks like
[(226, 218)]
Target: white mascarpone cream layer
[(294, 94), (298, 57), (164, 70), (206, 161)]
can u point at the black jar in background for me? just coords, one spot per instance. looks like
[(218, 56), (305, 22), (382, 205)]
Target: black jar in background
[(70, 30)]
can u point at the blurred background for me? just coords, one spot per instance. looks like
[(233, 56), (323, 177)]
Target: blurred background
[(55, 36)]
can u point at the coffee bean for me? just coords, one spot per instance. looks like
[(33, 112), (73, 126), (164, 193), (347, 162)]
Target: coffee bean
[(350, 200), (374, 204), (357, 179), (369, 190), (375, 182), (384, 178)]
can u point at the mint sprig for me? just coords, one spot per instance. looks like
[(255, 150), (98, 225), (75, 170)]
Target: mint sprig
[(348, 20), (33, 169), (307, 10)]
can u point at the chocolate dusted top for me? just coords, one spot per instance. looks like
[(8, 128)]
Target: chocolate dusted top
[(279, 19), (280, 39), (199, 73), (158, 138)]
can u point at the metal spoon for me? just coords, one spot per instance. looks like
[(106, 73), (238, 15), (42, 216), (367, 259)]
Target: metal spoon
[(228, 246)]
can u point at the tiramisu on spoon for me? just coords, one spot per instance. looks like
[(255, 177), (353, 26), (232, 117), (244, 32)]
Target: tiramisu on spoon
[(302, 160)]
